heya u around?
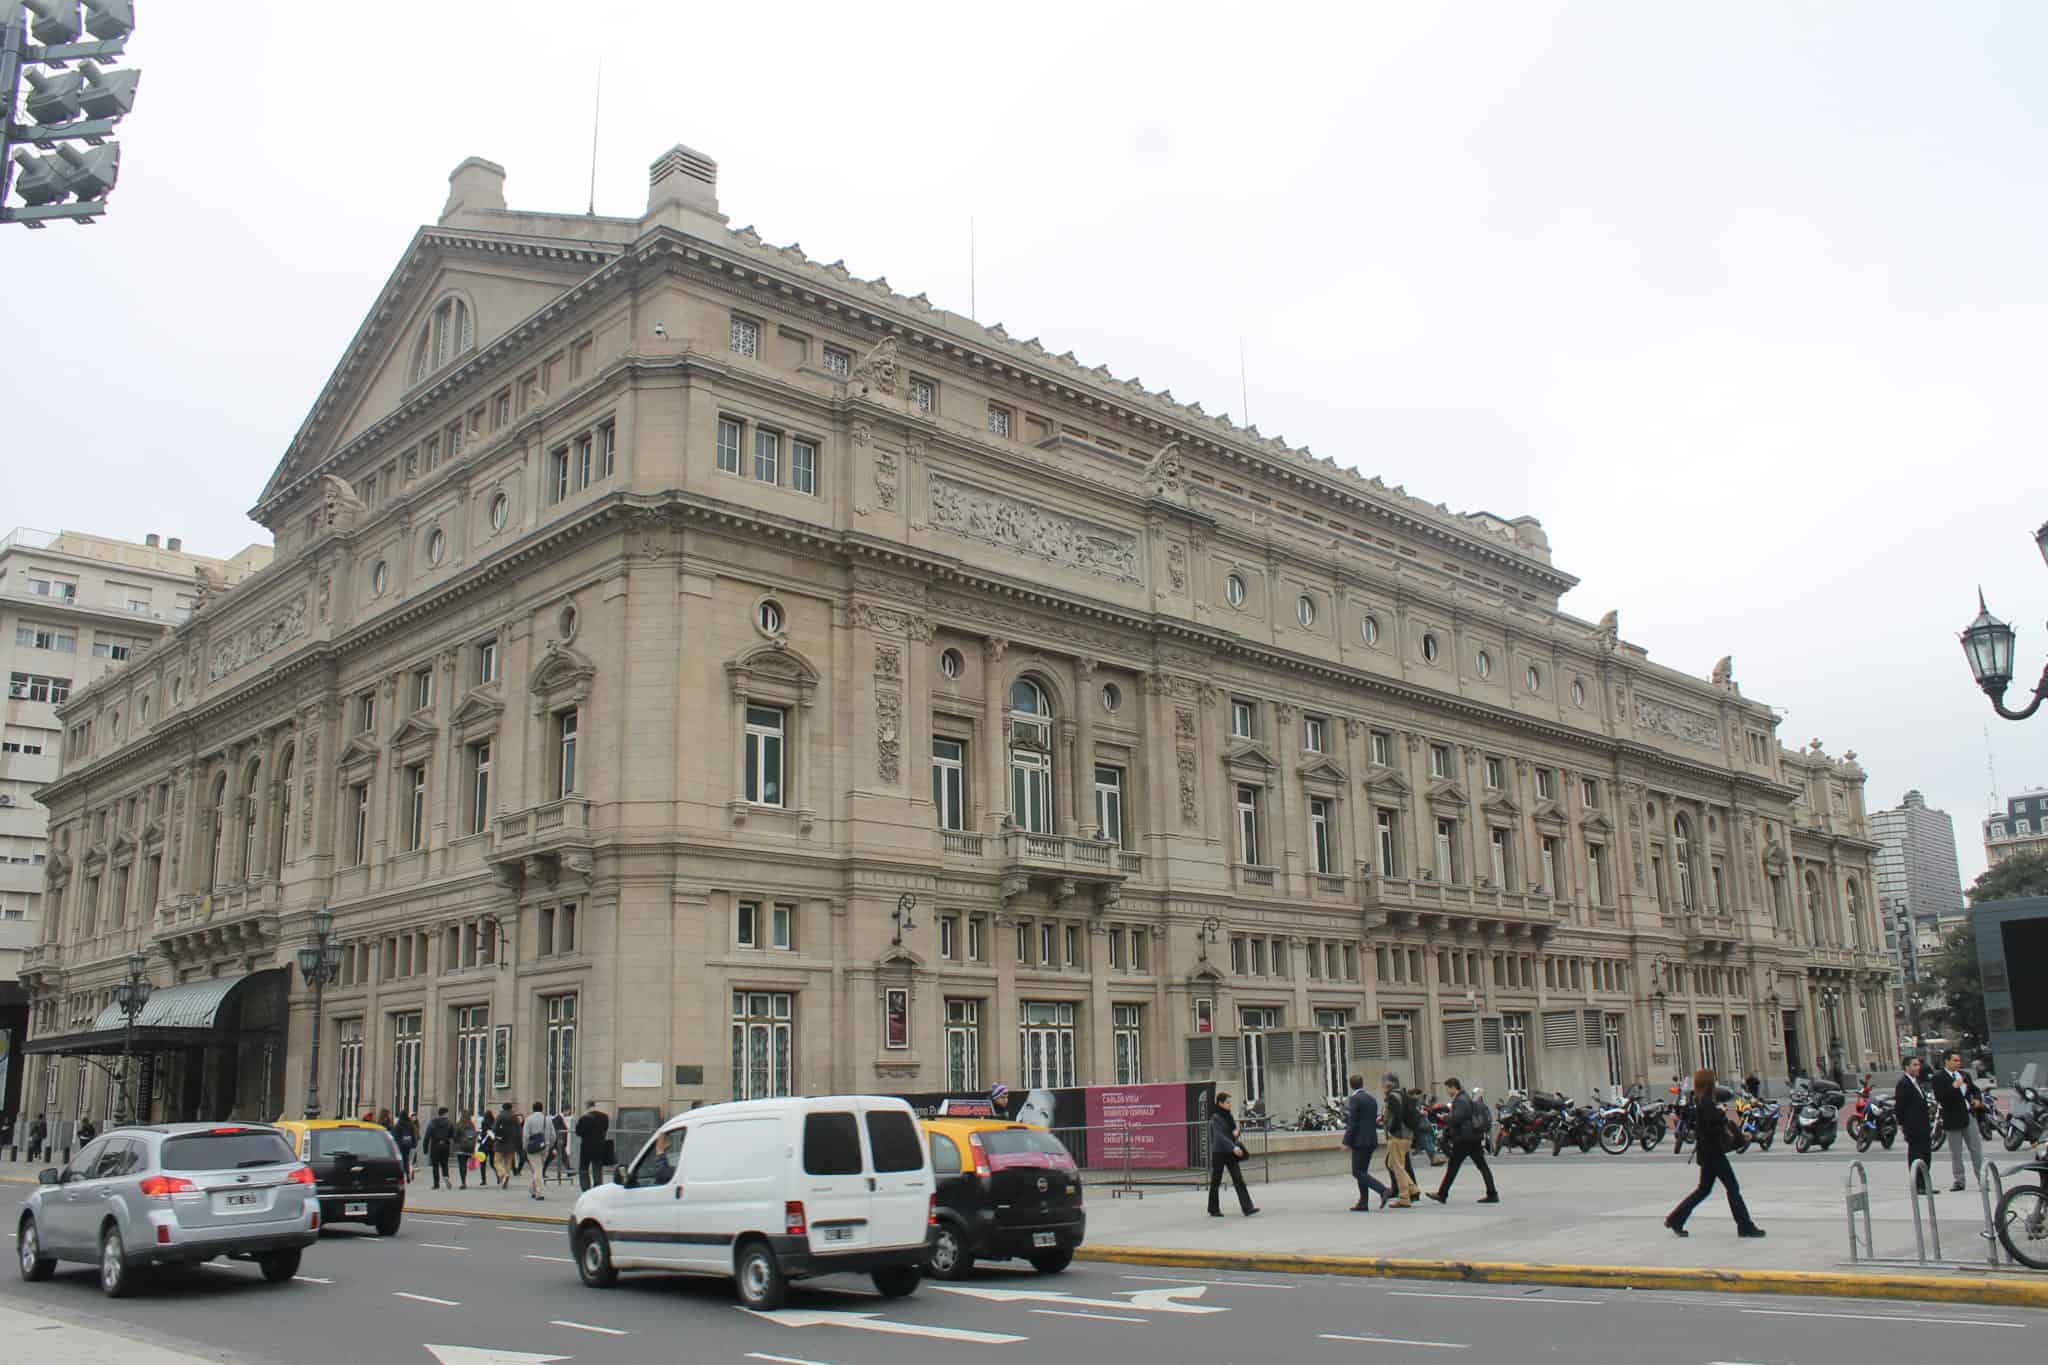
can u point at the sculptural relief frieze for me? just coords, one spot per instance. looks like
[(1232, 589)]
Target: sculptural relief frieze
[(254, 642), (1031, 530), (1665, 719)]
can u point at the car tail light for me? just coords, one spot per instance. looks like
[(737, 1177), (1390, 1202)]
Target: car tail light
[(163, 1234), (316, 1218), (793, 1219), (301, 1176), (164, 1186), (931, 1211), (980, 1156)]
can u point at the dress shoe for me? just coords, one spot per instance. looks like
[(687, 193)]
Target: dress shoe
[(1489, 1199), (1441, 1199), (1749, 1232), (1215, 1213), (1249, 1212), (1361, 1208), (1677, 1230), (1955, 1187)]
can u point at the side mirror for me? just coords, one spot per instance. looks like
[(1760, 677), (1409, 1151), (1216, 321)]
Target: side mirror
[(618, 1175), (49, 1175)]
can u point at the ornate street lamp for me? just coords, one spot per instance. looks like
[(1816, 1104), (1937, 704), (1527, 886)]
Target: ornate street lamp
[(319, 964), (904, 923), (1988, 645), (1208, 935), (131, 995)]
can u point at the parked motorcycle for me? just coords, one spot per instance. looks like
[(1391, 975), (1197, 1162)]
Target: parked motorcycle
[(1815, 1120), (1652, 1123), (1871, 1120), (1575, 1125), (2026, 1118), (1756, 1121), (1619, 1123), (1517, 1124)]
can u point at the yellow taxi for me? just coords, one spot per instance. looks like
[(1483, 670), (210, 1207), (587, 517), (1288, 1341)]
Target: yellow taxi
[(356, 1168), (1004, 1190)]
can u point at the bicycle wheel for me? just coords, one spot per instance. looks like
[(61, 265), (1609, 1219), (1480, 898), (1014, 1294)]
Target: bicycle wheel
[(2022, 1220)]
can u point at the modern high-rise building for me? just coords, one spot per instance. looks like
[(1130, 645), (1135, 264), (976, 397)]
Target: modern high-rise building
[(73, 608), (2022, 828), (1919, 885)]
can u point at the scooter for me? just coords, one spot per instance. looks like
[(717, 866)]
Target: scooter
[(2026, 1118)]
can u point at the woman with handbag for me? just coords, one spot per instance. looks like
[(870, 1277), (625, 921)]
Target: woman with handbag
[(1712, 1139), (1224, 1153), (465, 1149)]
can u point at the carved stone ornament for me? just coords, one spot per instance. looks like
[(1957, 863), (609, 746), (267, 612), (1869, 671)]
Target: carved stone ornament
[(888, 736), (1186, 760), (862, 433), (339, 503), (888, 663), (1689, 726), (1177, 566), (885, 478), (288, 623), (326, 596), (889, 621), (1029, 529), (1164, 476), (879, 368), (1184, 724)]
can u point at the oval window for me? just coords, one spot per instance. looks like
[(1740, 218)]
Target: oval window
[(768, 616), (567, 621), (1112, 696), (1305, 610), (1233, 590), (380, 577), (437, 545), (951, 664), (501, 511), (1534, 677), (1429, 648), (1485, 663), (1369, 630)]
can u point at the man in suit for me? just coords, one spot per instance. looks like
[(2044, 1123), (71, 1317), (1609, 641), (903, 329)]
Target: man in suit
[(1467, 1144), (1959, 1100), (1361, 1135), (1909, 1102)]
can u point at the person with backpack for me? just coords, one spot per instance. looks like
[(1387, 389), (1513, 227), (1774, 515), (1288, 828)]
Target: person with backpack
[(505, 1130), (1466, 1143), (1714, 1135), (534, 1135), (1400, 1112), (465, 1150), (1361, 1135), (440, 1141)]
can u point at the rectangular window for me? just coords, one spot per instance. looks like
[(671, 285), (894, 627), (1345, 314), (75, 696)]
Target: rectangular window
[(1386, 826), (565, 752), (1248, 824), (416, 807), (1447, 851), (1496, 773), (479, 787), (974, 923), (764, 785), (1128, 1040), (501, 417), (1502, 848), (998, 420), (1315, 734), (1109, 804), (763, 1047), (1546, 784), (949, 782), (559, 1052), (1439, 760), (729, 435), (1553, 853), (1073, 937), (422, 688), (1596, 873), (767, 456), (745, 337), (1023, 942), (782, 927), (838, 361), (487, 661), (924, 395), (1589, 792), (1117, 960), (348, 1066), (608, 450), (359, 823), (1321, 838), (366, 713), (1045, 953), (586, 453), (747, 925), (1382, 749), (949, 937), (1242, 716), (1141, 949), (1045, 1040), (803, 466), (35, 687), (558, 473), (963, 1045)]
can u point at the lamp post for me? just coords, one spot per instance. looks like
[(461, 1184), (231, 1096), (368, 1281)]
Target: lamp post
[(1208, 935), (1830, 1000), (319, 963), (905, 903), (1987, 644), (131, 995)]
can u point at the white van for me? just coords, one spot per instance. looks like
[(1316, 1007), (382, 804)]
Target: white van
[(767, 1191)]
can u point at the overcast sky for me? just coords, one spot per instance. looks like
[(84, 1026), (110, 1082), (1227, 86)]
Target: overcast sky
[(1746, 303)]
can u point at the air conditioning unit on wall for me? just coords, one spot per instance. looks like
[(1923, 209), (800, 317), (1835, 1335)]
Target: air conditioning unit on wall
[(6, 800)]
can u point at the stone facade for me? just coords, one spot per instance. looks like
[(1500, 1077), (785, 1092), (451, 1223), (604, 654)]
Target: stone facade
[(864, 699), (2022, 827)]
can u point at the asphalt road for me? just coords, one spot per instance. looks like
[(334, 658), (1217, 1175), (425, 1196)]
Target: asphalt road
[(509, 1291)]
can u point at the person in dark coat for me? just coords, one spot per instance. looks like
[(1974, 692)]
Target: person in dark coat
[(1916, 1122), (1361, 1135), (1467, 1143), (1960, 1101), (1224, 1154), (592, 1127), (440, 1142), (465, 1140), (1711, 1140), (38, 1137)]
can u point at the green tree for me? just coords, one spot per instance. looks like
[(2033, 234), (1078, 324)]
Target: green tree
[(1951, 993), (2023, 874)]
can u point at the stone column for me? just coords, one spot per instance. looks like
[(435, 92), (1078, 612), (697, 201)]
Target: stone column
[(1085, 705), (995, 787)]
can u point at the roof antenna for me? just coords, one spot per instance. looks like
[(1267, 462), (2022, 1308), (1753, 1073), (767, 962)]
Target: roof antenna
[(973, 311), (1244, 397), (596, 107)]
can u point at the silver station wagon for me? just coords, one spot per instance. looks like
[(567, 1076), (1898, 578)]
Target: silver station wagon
[(172, 1194)]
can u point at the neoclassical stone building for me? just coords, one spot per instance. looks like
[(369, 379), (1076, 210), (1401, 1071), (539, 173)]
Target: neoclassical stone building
[(690, 671)]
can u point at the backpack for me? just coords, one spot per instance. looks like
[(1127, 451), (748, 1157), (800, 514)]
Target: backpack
[(1482, 1117)]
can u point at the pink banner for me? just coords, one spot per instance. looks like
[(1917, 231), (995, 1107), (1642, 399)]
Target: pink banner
[(1148, 1120)]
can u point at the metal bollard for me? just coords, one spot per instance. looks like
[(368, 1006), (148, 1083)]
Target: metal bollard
[(1857, 1200), (1991, 1189), (1916, 1178)]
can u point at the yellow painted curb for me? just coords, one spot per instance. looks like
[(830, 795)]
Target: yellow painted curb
[(2015, 1293), (544, 1220)]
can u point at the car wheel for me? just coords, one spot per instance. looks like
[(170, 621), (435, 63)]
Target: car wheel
[(34, 1265), (898, 1281), (116, 1277), (1053, 1262), (280, 1266), (759, 1280), (388, 1227), (949, 1258), (594, 1258)]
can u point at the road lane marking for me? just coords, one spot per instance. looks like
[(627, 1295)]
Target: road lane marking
[(450, 1222), (527, 1227), (1141, 1300), (558, 1260), (1193, 1279), (588, 1327), (441, 1246), (1099, 1317), (1495, 1298), (425, 1298), (1881, 1317), (873, 1322), (1403, 1341), (312, 1279), (784, 1360)]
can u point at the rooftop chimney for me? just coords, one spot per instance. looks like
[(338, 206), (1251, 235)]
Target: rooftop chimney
[(150, 540), (476, 185), (175, 545), (682, 179)]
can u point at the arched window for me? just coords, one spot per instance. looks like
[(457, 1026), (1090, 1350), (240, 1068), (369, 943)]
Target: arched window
[(447, 333), (1030, 727), (220, 821), (1681, 852), (284, 807), (249, 866)]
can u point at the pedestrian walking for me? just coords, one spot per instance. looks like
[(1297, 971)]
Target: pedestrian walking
[(1425, 1127), (1224, 1153), (1916, 1124), (505, 1130), (592, 1128), (465, 1151), (1400, 1118), (87, 1131), (1362, 1136), (440, 1142), (1960, 1102), (38, 1137), (534, 1140), (1467, 1143), (486, 1149), (407, 1136), (558, 1142), (1712, 1137)]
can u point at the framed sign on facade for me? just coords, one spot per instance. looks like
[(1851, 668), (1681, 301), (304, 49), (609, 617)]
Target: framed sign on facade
[(896, 1018), (501, 1057)]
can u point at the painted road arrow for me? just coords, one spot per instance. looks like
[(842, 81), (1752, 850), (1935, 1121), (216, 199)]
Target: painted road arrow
[(1142, 1300), (487, 1355), (872, 1322)]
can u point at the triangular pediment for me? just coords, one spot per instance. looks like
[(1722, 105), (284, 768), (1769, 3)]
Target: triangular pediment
[(123, 844), (414, 729), (1386, 782), (359, 748), (1250, 755), (1595, 823), (1448, 792), (480, 707), (1549, 813), (1322, 770), (502, 279), (1502, 802)]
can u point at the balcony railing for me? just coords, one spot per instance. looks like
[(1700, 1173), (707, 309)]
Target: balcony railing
[(1413, 893), (960, 843), (1069, 855)]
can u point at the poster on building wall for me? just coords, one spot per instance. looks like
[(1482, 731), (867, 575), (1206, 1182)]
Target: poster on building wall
[(501, 1057), (896, 1018)]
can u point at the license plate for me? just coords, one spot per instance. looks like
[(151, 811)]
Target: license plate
[(839, 1234), (240, 1201), (1045, 1239), (354, 1210)]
